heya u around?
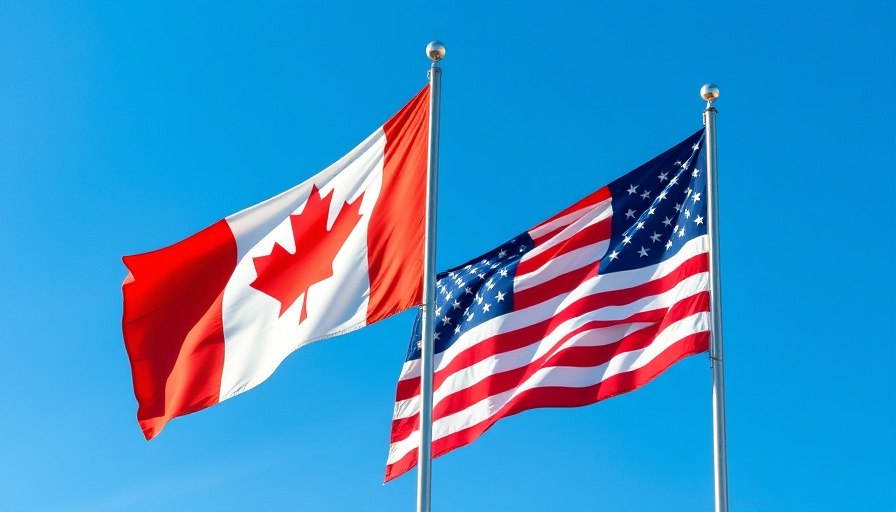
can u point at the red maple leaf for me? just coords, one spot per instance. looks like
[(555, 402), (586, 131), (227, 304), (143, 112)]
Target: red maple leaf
[(285, 276)]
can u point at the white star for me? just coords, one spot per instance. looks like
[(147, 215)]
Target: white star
[(461, 283), (449, 296), (455, 305), (640, 225), (630, 213), (676, 229), (502, 253), (500, 297), (446, 320), (695, 147), (470, 317), (503, 272), (661, 196), (613, 255), (695, 173), (687, 213), (677, 207), (435, 336), (451, 274), (651, 211), (674, 180), (698, 220), (468, 291), (485, 307), (667, 222), (685, 165), (668, 245), (663, 176), (681, 232), (632, 189), (687, 192), (677, 162), (457, 330), (522, 248), (643, 251), (473, 270), (655, 237), (481, 275), (438, 310), (646, 194), (626, 239), (478, 299), (489, 285), (696, 197), (485, 262)]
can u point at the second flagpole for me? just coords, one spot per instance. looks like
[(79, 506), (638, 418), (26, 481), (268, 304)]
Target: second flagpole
[(435, 51), (710, 92)]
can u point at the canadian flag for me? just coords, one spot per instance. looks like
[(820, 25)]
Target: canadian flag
[(215, 314)]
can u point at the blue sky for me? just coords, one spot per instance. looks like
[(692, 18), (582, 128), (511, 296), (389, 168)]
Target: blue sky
[(127, 126)]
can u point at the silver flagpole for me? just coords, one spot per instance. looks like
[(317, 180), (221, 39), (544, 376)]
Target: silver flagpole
[(436, 51), (710, 92)]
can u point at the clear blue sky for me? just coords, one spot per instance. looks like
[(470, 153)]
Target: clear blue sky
[(126, 126)]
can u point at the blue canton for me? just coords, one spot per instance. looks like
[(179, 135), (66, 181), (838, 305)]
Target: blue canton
[(658, 207), (472, 293)]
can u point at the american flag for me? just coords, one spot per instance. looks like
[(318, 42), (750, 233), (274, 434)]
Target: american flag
[(592, 303)]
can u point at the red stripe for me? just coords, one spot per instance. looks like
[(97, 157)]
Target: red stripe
[(582, 206), (506, 341), (172, 325), (398, 221), (562, 397), (589, 235), (401, 466), (576, 356)]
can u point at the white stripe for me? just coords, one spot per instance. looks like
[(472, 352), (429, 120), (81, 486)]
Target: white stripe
[(592, 217), (567, 219), (557, 376), (565, 263)]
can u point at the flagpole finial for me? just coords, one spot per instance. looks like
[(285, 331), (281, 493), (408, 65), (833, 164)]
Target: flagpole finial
[(709, 92), (435, 51)]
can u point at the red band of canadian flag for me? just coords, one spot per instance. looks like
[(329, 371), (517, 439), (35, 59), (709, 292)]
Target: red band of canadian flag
[(215, 314)]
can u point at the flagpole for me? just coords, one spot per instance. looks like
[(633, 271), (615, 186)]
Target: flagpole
[(710, 92), (435, 51)]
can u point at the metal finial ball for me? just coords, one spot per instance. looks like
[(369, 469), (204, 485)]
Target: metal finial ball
[(709, 92), (435, 51)]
